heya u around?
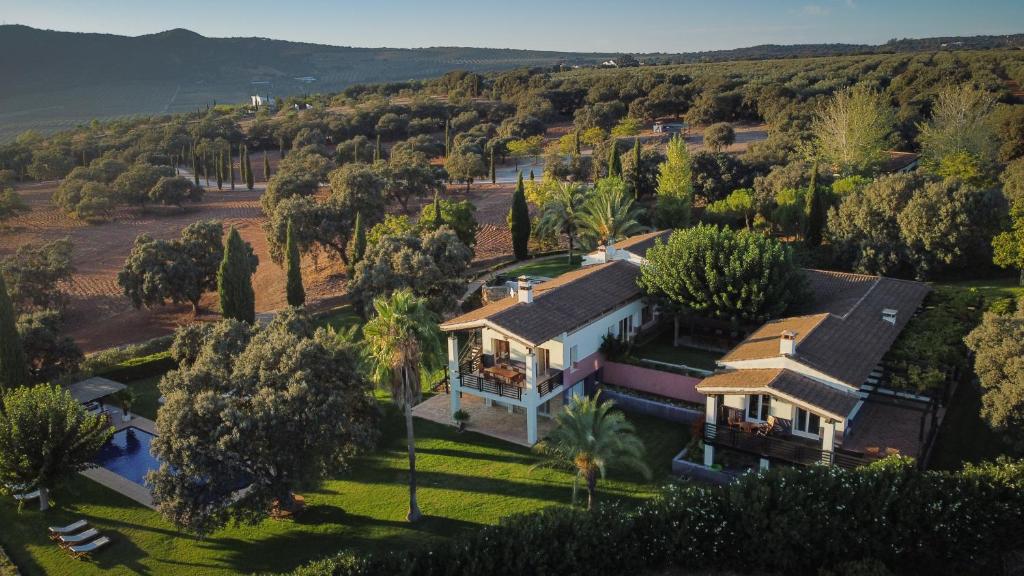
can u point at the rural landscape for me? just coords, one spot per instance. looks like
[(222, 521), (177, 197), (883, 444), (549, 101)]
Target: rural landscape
[(282, 307)]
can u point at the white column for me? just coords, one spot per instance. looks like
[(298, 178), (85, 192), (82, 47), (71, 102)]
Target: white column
[(710, 417), (531, 398), (453, 372), (828, 436)]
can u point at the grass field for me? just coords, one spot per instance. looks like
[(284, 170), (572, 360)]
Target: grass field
[(466, 481), (964, 436), (549, 268)]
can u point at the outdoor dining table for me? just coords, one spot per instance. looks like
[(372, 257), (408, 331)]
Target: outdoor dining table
[(503, 373)]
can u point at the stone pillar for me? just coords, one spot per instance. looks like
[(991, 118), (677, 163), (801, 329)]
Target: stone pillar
[(454, 377), (710, 417), (530, 397)]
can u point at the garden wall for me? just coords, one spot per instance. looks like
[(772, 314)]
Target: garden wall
[(651, 381), (659, 410)]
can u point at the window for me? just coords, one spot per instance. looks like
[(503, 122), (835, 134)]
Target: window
[(625, 328), (543, 361), (500, 348), (573, 355), (758, 406), (646, 315), (807, 422)]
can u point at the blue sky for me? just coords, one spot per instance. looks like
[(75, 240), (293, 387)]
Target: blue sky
[(570, 25)]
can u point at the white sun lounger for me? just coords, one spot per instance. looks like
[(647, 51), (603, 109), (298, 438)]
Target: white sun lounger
[(56, 531), (85, 549), (79, 538), (27, 496)]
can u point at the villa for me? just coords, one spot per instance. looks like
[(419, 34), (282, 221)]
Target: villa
[(531, 352), (803, 389)]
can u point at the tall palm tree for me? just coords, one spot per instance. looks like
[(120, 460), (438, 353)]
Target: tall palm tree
[(590, 437), (561, 213), (401, 341), (609, 214)]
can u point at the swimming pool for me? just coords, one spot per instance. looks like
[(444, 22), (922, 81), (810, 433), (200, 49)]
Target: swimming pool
[(127, 454)]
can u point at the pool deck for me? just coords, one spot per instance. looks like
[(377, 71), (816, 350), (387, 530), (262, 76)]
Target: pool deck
[(119, 483)]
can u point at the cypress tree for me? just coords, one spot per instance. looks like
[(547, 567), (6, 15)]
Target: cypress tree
[(241, 162), (494, 178), (576, 143), (614, 161), (355, 151), (195, 169), (815, 211), (13, 365), (438, 218), (532, 178), (293, 262), (377, 156), (234, 281), (636, 167), (280, 147), (220, 170), (206, 168), (358, 248), (249, 181), (231, 166), (266, 167), (447, 138), (519, 221)]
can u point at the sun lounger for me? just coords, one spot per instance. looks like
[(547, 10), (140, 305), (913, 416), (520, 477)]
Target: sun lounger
[(57, 531), (86, 549), (28, 496), (79, 538)]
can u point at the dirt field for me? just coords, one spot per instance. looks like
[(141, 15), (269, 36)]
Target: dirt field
[(100, 316)]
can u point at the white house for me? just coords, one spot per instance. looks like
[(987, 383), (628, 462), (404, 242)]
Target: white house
[(810, 376), (531, 352)]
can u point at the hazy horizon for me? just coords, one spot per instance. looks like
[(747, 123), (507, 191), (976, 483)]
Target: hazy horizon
[(657, 25)]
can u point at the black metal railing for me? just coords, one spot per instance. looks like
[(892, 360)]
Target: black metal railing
[(476, 382), (770, 446), (552, 381)]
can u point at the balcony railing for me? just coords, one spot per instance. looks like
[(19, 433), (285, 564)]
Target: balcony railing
[(473, 377), (770, 446)]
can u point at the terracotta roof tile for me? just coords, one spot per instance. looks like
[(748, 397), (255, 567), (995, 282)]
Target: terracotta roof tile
[(764, 342), (640, 243), (559, 305), (785, 383)]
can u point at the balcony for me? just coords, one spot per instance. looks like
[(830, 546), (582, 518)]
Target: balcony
[(507, 380), (781, 447)]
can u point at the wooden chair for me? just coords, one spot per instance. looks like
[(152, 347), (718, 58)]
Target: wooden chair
[(768, 427)]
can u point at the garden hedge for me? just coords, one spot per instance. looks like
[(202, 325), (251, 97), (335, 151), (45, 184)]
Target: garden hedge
[(784, 521)]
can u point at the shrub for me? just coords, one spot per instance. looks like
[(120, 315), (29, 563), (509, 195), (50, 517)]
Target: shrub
[(885, 517)]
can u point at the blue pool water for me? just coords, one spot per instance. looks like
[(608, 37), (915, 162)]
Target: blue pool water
[(127, 454)]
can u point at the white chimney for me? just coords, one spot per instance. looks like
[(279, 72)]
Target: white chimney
[(889, 315), (525, 290), (609, 251), (787, 343)]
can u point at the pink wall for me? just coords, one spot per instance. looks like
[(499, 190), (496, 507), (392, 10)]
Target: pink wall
[(584, 367), (653, 381)]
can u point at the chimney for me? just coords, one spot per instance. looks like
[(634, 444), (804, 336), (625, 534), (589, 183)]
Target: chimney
[(525, 291), (787, 343), (889, 315)]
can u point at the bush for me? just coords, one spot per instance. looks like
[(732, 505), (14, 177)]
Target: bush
[(887, 516)]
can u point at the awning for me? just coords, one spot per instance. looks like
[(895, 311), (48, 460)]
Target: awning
[(93, 389)]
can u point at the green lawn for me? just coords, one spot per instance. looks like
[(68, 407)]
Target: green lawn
[(466, 480), (549, 268), (991, 289), (341, 319), (660, 348)]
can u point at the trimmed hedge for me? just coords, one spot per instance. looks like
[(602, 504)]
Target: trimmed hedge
[(784, 520), (141, 367), (132, 362)]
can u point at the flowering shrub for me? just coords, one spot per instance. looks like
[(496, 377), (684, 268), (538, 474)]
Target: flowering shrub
[(887, 515)]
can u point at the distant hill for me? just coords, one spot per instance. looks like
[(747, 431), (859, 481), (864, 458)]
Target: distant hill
[(55, 80)]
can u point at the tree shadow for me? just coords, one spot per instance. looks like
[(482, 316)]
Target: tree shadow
[(509, 458)]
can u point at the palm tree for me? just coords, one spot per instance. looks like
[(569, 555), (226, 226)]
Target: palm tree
[(609, 214), (562, 212), (590, 437), (402, 340)]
